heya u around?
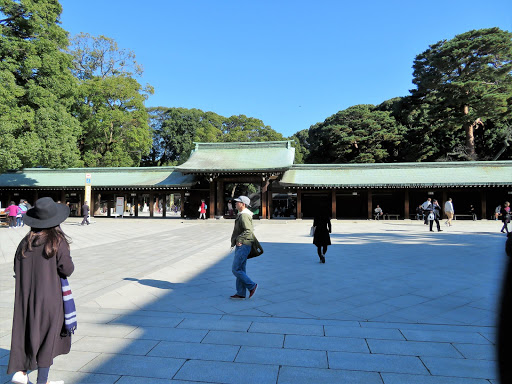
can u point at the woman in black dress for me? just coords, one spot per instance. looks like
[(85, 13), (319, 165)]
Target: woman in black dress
[(321, 238)]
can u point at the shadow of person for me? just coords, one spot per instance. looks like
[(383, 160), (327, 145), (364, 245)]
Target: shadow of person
[(154, 283)]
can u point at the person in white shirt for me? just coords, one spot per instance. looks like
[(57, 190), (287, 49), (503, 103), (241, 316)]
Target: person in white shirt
[(426, 206), (448, 210)]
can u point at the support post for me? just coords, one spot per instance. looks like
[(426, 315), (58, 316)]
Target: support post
[(264, 201), (333, 203), (136, 208), (164, 205), (406, 204), (370, 204), (483, 199), (220, 198), (299, 204), (151, 204), (212, 199)]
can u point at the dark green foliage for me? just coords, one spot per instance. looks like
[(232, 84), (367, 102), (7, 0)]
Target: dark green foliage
[(465, 84), (110, 104), (359, 134), (36, 88)]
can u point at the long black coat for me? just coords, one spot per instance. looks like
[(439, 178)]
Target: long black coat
[(38, 333), (323, 228)]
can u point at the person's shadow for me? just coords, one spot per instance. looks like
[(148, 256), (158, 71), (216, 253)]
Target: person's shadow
[(154, 283)]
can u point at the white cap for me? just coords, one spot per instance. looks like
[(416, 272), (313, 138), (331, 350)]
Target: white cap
[(244, 199)]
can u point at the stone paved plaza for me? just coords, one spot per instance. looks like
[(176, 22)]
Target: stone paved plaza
[(394, 304)]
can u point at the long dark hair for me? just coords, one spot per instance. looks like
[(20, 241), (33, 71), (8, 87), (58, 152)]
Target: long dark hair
[(50, 237)]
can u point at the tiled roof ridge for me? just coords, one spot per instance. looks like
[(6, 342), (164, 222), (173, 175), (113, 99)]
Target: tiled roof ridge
[(91, 170), (447, 164), (246, 144)]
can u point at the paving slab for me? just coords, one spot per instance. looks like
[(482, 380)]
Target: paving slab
[(153, 304)]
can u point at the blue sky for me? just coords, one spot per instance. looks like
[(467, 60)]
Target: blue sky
[(289, 63)]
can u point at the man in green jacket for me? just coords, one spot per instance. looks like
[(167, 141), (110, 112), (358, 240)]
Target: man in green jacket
[(242, 238)]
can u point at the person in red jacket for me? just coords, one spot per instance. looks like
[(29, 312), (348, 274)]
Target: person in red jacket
[(12, 211)]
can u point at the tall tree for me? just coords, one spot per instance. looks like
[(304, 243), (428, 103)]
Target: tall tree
[(240, 128), (37, 88), (359, 134), (466, 81), (110, 103)]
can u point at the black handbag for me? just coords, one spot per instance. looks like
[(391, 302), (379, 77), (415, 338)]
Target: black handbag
[(256, 249)]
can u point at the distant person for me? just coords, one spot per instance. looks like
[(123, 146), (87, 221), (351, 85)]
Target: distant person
[(505, 216), (230, 208), (426, 206), (419, 213), (436, 211), (472, 211), (23, 210), (321, 237), (378, 212), (242, 238), (85, 212), (497, 212), (12, 210), (202, 210), (39, 330), (449, 211)]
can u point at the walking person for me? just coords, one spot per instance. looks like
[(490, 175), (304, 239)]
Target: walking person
[(435, 210), (85, 212), (448, 210), (39, 330), (321, 238), (426, 206), (242, 238), (12, 211), (378, 212), (202, 210), (505, 216)]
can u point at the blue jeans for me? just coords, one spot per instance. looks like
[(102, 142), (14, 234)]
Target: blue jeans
[(243, 282)]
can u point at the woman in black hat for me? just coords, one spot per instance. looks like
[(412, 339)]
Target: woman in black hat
[(42, 258)]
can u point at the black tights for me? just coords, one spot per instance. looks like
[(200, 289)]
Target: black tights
[(319, 250), (42, 375), (505, 227)]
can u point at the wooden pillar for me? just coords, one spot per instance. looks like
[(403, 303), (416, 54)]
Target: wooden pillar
[(299, 204), (483, 199), (220, 198), (63, 197), (445, 198), (212, 202), (406, 204), (136, 208), (164, 205), (370, 205), (35, 197), (264, 200), (333, 204), (269, 200), (182, 203), (151, 204)]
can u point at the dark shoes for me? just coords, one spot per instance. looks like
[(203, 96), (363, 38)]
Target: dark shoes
[(439, 230), (322, 259), (253, 291), (237, 297)]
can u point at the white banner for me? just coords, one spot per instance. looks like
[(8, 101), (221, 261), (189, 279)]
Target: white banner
[(120, 206)]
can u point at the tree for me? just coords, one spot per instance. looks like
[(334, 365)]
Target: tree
[(240, 128), (300, 141), (37, 88), (466, 81), (359, 134), (110, 104)]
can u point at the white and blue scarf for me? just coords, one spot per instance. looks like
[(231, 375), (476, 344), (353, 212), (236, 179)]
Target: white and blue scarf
[(69, 307)]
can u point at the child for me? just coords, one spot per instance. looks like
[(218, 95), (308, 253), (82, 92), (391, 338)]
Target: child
[(39, 333)]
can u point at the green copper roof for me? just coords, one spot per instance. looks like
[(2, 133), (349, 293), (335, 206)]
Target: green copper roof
[(100, 177), (239, 157), (398, 175)]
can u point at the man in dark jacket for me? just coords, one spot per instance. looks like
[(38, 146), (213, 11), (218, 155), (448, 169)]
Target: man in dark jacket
[(85, 212), (436, 211)]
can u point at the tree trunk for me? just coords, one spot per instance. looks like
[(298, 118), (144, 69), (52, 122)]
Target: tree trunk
[(470, 137)]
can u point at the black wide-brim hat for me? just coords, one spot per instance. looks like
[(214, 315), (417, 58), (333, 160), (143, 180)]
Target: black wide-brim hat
[(46, 213)]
